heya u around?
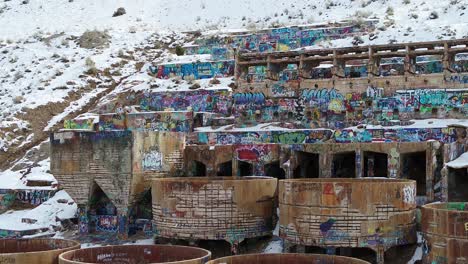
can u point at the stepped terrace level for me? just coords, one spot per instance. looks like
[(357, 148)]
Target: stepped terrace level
[(438, 64)]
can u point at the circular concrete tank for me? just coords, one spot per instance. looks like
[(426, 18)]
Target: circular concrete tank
[(445, 229), (213, 208), (136, 254), (32, 251), (286, 259), (359, 213)]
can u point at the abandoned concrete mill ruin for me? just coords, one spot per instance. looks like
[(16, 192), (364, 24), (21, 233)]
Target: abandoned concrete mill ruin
[(358, 138)]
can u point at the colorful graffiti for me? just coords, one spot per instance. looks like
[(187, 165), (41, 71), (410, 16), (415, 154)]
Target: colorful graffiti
[(198, 101), (160, 121), (106, 223), (34, 197), (108, 122), (197, 70), (263, 137), (79, 124), (152, 160)]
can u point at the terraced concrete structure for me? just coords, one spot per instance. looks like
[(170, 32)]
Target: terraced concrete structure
[(351, 213), (445, 228), (34, 251), (287, 258), (135, 254), (218, 208)]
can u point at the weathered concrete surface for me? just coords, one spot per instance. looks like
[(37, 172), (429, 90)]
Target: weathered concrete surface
[(136, 254), (229, 208), (445, 228), (34, 251), (287, 258), (371, 213)]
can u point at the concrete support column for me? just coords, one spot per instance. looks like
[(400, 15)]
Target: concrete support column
[(83, 219), (325, 164), (122, 221), (359, 162)]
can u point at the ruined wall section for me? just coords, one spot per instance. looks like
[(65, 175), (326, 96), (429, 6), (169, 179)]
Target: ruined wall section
[(79, 159), (228, 208), (155, 155), (445, 229)]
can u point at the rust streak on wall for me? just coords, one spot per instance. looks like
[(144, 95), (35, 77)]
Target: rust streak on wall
[(34, 251), (133, 254), (372, 213), (286, 258), (229, 208), (445, 228)]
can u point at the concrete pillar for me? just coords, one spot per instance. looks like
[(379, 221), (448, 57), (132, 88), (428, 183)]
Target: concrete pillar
[(122, 221), (83, 219), (359, 162)]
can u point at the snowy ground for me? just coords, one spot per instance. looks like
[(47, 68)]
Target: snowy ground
[(41, 62), (61, 206)]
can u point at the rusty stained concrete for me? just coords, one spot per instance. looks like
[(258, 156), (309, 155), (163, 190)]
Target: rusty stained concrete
[(369, 55), (445, 229), (358, 213), (290, 159), (286, 258), (135, 254), (34, 251), (214, 208), (121, 163)]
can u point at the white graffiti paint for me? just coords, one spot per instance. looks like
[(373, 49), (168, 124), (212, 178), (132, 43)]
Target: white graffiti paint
[(152, 160), (409, 194)]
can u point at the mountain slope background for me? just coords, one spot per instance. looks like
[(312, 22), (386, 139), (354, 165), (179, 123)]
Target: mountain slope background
[(47, 76)]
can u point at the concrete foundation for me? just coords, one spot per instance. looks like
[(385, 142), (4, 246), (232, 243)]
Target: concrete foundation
[(228, 208), (445, 228), (34, 251), (286, 258), (137, 254), (348, 213)]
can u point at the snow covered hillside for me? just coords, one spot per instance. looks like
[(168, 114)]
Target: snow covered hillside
[(48, 74)]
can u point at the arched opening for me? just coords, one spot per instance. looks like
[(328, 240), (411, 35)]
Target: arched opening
[(274, 170), (245, 168), (198, 169), (218, 248), (344, 165), (366, 254), (413, 166), (102, 212), (141, 214), (308, 165), (225, 169), (375, 164), (457, 185), (400, 254)]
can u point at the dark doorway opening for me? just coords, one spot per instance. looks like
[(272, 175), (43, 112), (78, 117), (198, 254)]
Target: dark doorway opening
[(102, 212), (375, 164), (308, 165), (344, 165), (225, 169), (245, 168), (198, 169), (414, 168), (366, 254), (274, 170), (457, 185), (141, 214)]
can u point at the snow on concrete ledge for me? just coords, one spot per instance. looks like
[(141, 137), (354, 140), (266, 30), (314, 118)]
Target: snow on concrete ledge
[(460, 162)]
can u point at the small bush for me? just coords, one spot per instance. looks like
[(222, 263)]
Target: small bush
[(179, 50)]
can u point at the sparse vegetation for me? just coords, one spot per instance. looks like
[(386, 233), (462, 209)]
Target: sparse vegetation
[(179, 50)]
